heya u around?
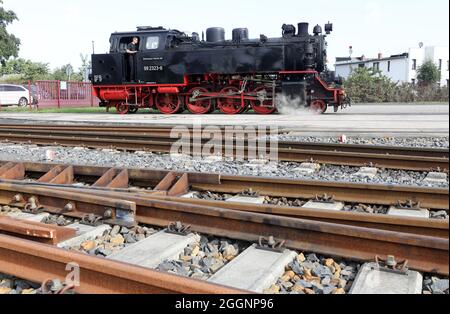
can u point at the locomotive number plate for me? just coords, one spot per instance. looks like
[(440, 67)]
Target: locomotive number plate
[(153, 68)]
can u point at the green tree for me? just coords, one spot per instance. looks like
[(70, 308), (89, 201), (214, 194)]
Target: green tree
[(25, 69), (369, 85), (428, 73), (9, 44), (61, 74), (85, 66)]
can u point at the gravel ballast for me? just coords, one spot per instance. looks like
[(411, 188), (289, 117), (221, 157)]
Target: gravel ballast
[(419, 142), (12, 285), (112, 158)]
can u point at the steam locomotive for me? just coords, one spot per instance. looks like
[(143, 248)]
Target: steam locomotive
[(176, 71)]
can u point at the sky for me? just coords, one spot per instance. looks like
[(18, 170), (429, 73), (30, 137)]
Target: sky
[(57, 32)]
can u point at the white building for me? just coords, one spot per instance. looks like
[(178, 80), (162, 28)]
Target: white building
[(400, 68)]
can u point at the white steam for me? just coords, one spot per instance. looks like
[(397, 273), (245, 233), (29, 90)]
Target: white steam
[(292, 106)]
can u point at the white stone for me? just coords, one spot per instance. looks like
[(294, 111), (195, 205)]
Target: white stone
[(247, 199), (212, 159), (29, 217), (367, 172), (180, 157), (415, 213), (254, 270), (371, 280), (84, 233), (336, 206), (436, 177), (307, 168), (189, 195), (260, 162), (112, 151), (154, 250)]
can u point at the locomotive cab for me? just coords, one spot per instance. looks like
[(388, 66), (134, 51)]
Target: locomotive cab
[(153, 62)]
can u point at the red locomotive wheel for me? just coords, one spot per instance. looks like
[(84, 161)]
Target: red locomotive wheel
[(122, 108), (265, 107), (168, 103), (318, 106), (230, 105), (199, 106)]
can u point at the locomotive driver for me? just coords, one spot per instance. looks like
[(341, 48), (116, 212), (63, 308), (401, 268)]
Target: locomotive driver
[(132, 50)]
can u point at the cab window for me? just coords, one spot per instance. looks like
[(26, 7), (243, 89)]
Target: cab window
[(152, 43), (124, 42)]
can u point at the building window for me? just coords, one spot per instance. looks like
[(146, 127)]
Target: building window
[(376, 66), (389, 66), (361, 65), (413, 81), (440, 64), (414, 64)]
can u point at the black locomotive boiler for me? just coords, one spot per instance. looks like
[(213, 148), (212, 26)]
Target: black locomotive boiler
[(175, 71)]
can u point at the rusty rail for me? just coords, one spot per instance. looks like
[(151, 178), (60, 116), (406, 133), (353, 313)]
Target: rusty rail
[(135, 140), (379, 194), (69, 203), (38, 262), (425, 253), (36, 231), (417, 226)]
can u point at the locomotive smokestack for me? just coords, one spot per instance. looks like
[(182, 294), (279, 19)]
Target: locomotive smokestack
[(303, 29)]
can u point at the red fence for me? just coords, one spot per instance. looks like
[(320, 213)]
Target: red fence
[(56, 94)]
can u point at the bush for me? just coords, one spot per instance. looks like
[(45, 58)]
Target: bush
[(428, 73), (369, 86)]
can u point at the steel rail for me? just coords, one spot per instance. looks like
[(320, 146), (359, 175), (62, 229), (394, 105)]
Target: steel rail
[(137, 132), (377, 194), (70, 203), (38, 262), (351, 155), (425, 253), (158, 131), (418, 226)]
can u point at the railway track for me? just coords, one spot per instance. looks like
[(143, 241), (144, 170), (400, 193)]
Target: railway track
[(133, 185), (23, 254), (36, 252), (159, 140), (134, 198), (163, 180)]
